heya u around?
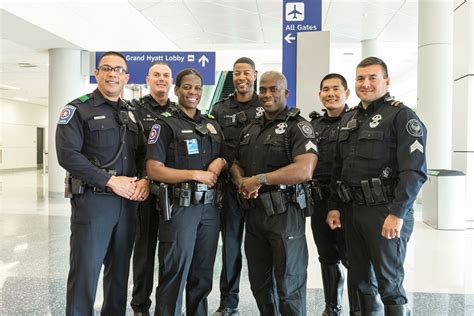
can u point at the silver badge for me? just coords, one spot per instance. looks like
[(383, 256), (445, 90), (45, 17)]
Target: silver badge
[(375, 120), (131, 116), (259, 112), (211, 128), (414, 128), (281, 128)]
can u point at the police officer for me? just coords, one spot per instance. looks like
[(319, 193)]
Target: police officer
[(184, 151), (331, 244), (99, 143), (233, 114), (148, 109), (381, 163), (276, 153)]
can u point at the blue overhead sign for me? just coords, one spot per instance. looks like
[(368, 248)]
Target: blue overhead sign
[(301, 16), (139, 62)]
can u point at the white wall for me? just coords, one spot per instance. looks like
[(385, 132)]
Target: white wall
[(18, 123)]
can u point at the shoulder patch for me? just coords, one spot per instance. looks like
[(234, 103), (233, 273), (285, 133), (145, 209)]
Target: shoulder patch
[(306, 129), (414, 128), (166, 114), (84, 98), (154, 134), (66, 114)]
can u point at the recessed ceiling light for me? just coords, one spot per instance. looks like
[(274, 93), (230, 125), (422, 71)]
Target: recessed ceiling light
[(5, 87)]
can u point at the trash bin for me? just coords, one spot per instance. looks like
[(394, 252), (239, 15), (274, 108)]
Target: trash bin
[(444, 199)]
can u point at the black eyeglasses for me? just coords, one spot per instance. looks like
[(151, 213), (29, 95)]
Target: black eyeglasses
[(119, 69)]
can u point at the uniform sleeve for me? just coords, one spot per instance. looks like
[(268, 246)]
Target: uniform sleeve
[(159, 139), (69, 142), (411, 159), (302, 139)]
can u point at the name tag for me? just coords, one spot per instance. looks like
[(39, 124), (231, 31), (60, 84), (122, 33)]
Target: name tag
[(101, 117)]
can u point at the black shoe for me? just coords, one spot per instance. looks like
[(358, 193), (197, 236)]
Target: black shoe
[(226, 311)]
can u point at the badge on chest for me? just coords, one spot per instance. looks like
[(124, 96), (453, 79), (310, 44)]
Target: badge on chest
[(192, 146), (281, 128)]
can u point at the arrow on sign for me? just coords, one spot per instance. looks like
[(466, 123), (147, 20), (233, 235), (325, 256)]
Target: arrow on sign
[(289, 38), (203, 60)]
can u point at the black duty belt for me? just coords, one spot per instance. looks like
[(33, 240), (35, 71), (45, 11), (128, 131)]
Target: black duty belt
[(369, 195)]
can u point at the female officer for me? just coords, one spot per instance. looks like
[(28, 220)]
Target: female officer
[(184, 150)]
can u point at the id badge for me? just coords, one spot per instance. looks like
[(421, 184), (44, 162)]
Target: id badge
[(192, 146)]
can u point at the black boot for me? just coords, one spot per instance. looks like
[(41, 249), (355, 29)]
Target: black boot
[(333, 284), (397, 310), (370, 305), (353, 295)]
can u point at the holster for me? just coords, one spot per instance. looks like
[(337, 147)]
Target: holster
[(219, 193), (316, 190), (77, 186), (344, 192)]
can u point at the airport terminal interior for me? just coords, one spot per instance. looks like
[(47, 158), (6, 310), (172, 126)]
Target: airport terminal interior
[(35, 217)]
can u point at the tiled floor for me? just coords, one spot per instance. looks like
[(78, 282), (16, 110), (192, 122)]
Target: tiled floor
[(34, 237)]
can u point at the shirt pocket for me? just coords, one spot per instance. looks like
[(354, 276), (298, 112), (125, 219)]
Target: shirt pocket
[(103, 133), (278, 151), (370, 144)]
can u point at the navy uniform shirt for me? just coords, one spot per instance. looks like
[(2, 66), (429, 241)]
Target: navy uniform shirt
[(175, 141), (387, 141), (266, 146), (89, 134), (228, 113), (326, 129), (148, 111)]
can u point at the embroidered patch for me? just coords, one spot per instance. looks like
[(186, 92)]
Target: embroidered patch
[(306, 129), (259, 111), (416, 146), (310, 145), (66, 114), (281, 128), (154, 134), (375, 120), (414, 128)]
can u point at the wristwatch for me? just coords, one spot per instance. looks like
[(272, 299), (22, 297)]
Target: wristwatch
[(262, 178)]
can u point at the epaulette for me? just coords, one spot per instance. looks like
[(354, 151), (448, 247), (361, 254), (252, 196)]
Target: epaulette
[(210, 116), (293, 112), (84, 98), (314, 115), (395, 103)]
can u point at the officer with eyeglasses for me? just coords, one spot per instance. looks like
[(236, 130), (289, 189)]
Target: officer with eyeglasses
[(185, 153), (101, 147)]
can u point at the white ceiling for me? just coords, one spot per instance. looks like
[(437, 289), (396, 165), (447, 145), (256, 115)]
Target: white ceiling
[(29, 28)]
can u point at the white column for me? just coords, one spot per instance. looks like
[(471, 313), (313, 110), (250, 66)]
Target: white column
[(65, 84), (435, 73), (371, 47), (463, 98)]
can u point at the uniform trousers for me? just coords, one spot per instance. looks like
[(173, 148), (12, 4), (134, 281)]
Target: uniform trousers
[(232, 228), (377, 262), (186, 253), (144, 254), (277, 257), (331, 244), (102, 232)]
